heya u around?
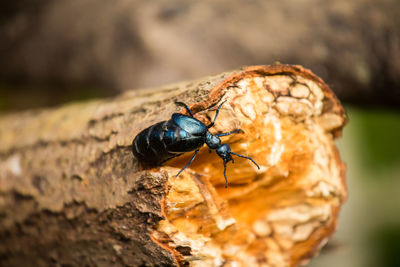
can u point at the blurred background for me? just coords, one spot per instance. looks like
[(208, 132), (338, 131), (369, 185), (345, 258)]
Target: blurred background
[(54, 52)]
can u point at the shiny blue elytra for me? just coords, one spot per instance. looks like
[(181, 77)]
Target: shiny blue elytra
[(168, 139)]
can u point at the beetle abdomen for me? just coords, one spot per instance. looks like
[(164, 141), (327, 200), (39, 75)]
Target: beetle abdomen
[(165, 140), (149, 145)]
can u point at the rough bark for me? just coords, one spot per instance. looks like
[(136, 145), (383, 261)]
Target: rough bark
[(71, 191)]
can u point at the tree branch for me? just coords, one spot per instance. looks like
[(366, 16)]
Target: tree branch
[(71, 191)]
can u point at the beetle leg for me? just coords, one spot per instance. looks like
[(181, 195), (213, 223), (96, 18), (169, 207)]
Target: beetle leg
[(232, 132), (186, 106), (187, 165), (246, 158), (216, 114)]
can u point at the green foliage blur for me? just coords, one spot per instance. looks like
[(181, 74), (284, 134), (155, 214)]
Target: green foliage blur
[(379, 138)]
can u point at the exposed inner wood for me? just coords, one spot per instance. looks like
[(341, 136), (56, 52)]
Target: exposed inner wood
[(273, 216)]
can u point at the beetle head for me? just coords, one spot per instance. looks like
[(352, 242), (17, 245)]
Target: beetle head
[(224, 151)]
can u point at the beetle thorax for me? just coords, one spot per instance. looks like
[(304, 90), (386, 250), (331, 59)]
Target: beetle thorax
[(212, 141)]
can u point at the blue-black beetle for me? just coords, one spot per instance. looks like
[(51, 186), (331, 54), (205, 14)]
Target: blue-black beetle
[(168, 139)]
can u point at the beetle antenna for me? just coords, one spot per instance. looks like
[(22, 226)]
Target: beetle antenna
[(229, 133), (186, 106), (226, 179), (246, 158), (216, 114)]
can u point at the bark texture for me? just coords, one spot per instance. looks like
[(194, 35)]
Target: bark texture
[(71, 191)]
